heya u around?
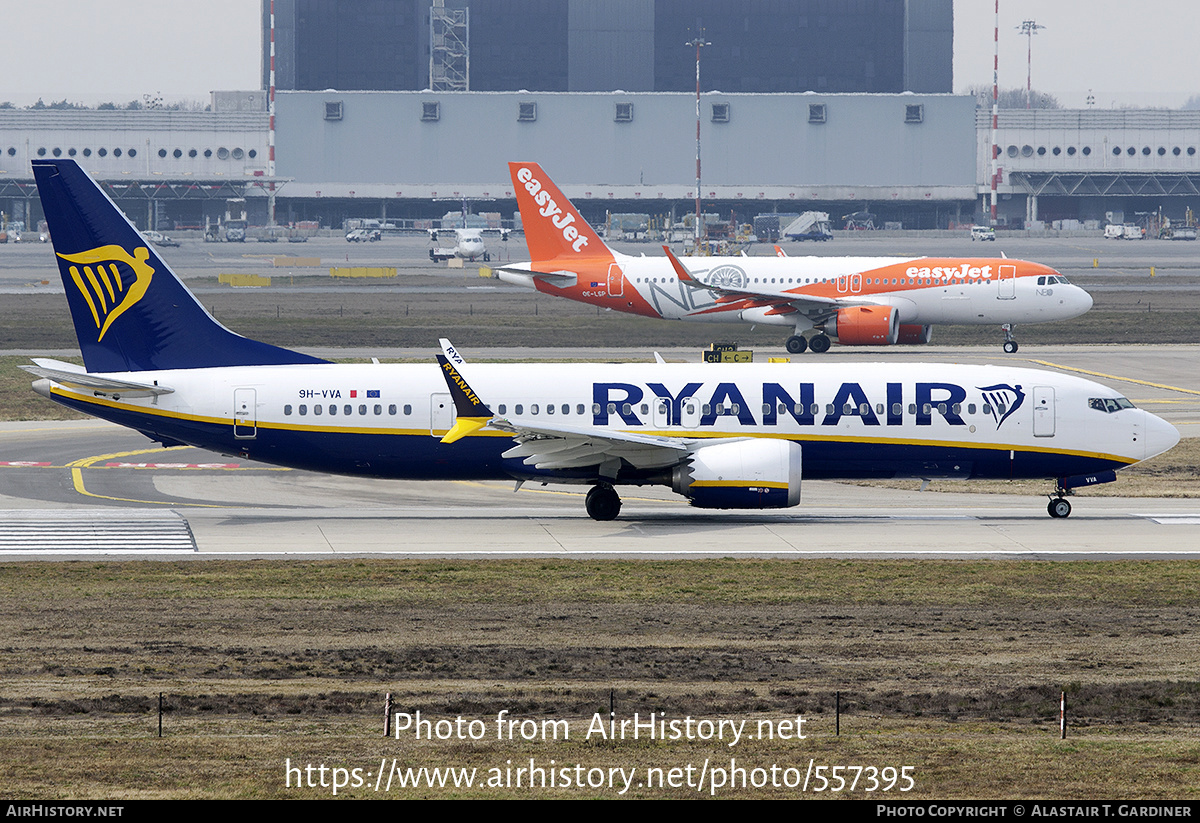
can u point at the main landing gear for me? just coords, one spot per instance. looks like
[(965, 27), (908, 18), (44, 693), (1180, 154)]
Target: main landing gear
[(603, 502), (1010, 347), (819, 343)]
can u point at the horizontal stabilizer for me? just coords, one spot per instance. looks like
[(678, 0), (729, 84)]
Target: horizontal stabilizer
[(557, 278), (75, 377)]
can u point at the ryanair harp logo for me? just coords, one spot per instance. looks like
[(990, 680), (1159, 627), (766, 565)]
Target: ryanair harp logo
[(98, 276), (1002, 400)]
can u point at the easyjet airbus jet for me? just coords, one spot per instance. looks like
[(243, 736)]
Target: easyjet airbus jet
[(864, 301)]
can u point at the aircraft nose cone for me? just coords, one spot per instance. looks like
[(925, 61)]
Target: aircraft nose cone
[(1084, 301), (1160, 435)]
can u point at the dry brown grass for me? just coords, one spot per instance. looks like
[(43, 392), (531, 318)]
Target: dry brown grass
[(953, 667)]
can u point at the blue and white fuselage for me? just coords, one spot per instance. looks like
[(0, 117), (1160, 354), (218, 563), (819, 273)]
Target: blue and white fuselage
[(864, 420)]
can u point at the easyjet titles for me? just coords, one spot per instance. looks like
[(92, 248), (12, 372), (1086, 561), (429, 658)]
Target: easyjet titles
[(548, 208)]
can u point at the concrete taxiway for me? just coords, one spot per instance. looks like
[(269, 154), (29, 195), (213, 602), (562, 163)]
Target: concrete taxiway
[(73, 489)]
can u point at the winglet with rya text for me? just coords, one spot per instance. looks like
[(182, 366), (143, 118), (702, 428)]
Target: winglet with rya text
[(472, 413)]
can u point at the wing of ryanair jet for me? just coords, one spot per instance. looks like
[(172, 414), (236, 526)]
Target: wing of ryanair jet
[(550, 446), (568, 447)]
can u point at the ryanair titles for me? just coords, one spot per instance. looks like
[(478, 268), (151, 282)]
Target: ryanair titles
[(896, 405)]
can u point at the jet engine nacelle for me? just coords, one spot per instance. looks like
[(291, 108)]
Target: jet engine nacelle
[(755, 474), (911, 333), (865, 326)]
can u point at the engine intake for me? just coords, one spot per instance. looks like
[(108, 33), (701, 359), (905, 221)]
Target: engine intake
[(756, 474)]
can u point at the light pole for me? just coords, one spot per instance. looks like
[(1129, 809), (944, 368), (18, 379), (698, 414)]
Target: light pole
[(699, 43), (1029, 28)]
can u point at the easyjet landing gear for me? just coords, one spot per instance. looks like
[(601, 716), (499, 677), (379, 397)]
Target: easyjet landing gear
[(796, 344), (819, 343), (1010, 347), (603, 502)]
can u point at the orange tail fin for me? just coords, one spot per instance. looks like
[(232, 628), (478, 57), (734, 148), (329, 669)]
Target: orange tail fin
[(554, 229)]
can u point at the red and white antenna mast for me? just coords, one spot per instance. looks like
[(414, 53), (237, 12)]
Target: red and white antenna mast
[(995, 110), (271, 127), (699, 42)]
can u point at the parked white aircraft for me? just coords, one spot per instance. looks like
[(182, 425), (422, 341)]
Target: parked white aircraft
[(468, 244), (865, 301), (723, 436)]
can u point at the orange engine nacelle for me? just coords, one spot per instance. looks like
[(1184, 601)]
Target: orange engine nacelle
[(865, 326), (914, 334)]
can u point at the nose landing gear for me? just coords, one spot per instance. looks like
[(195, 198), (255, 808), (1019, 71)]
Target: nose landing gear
[(1010, 347), (1059, 507)]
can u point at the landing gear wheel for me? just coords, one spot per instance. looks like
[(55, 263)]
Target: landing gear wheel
[(819, 344), (1010, 347), (1059, 507), (796, 344), (603, 503)]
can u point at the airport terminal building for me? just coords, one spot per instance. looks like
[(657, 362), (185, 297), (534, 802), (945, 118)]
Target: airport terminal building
[(870, 125)]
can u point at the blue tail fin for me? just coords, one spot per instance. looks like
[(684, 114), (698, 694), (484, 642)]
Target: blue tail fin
[(131, 312)]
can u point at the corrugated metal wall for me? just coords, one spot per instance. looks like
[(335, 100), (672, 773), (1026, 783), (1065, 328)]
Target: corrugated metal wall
[(768, 139)]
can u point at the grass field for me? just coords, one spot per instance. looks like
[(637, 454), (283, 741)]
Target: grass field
[(953, 668)]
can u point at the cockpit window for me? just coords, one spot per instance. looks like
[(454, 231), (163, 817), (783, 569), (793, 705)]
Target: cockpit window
[(1108, 405)]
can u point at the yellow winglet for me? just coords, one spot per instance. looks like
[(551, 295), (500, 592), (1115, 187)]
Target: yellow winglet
[(464, 426)]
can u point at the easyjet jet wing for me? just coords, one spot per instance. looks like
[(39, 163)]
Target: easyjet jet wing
[(798, 301)]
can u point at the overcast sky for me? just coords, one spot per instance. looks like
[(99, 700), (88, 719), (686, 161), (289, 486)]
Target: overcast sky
[(1126, 53)]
